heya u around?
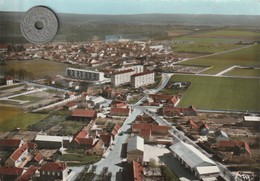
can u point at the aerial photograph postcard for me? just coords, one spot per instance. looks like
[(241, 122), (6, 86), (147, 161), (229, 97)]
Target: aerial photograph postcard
[(129, 90)]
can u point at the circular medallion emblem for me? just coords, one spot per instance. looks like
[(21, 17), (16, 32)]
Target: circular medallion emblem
[(39, 25)]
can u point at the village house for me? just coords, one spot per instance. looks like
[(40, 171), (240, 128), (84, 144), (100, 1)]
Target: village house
[(133, 171), (71, 105), (101, 145), (29, 174), (119, 112), (83, 139), (135, 149), (9, 80), (84, 114), (18, 158), (149, 132), (157, 99), (237, 147), (53, 171), (10, 173), (170, 111), (115, 131)]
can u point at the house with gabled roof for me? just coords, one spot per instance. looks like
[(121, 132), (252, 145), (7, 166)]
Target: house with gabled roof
[(156, 99), (28, 175), (18, 156), (133, 171), (135, 149), (115, 130), (83, 139), (171, 111), (53, 171), (120, 112), (149, 132), (10, 173), (237, 147), (84, 114)]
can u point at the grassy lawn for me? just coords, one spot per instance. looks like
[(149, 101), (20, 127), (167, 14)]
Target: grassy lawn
[(203, 47), (220, 93), (39, 68), (12, 118), (32, 99), (79, 158), (245, 57), (240, 34), (71, 127), (11, 86), (244, 72)]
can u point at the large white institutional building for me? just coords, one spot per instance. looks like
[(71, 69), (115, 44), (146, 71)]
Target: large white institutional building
[(121, 77), (142, 79), (85, 74)]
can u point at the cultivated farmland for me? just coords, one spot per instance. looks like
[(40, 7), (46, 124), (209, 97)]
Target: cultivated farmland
[(220, 93), (249, 56)]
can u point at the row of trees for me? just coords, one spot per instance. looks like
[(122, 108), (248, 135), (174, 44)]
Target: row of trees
[(20, 74)]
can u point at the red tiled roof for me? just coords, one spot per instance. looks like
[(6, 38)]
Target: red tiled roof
[(115, 129), (193, 124), (84, 113), (9, 77), (27, 175), (247, 148), (82, 137), (10, 143), (71, 104), (19, 151), (123, 71), (137, 171), (106, 138), (11, 171), (175, 110), (38, 157), (150, 126), (32, 145), (3, 46), (231, 143), (119, 111), (54, 166), (143, 73)]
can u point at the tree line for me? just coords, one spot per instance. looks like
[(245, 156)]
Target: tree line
[(20, 74)]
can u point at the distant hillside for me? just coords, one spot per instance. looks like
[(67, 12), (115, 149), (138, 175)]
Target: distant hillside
[(75, 27)]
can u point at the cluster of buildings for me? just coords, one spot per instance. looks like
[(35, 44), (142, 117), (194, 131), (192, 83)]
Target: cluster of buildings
[(27, 163)]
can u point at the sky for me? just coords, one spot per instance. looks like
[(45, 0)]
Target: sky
[(229, 7)]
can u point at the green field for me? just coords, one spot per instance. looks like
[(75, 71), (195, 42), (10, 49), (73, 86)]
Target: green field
[(246, 57), (239, 34), (12, 118), (203, 47), (31, 99), (38, 68), (244, 72), (220, 93)]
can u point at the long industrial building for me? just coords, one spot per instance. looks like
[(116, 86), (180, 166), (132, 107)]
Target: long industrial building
[(83, 74), (142, 79)]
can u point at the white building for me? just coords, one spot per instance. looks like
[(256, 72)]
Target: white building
[(136, 68), (85, 74), (142, 79), (135, 149), (193, 159), (121, 77)]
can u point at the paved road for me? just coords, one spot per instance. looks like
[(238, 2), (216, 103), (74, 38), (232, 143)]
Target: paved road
[(113, 158)]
